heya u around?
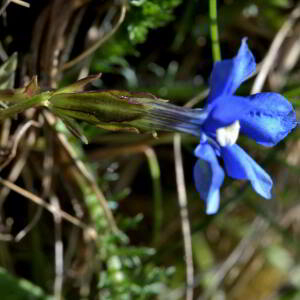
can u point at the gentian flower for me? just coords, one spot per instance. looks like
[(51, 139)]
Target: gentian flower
[(265, 117)]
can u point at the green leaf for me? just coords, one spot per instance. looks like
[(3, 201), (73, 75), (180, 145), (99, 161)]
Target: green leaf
[(142, 16), (73, 127), (13, 288)]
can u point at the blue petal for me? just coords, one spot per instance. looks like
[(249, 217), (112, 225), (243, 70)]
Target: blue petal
[(208, 176), (227, 75), (270, 120), (240, 165), (225, 110)]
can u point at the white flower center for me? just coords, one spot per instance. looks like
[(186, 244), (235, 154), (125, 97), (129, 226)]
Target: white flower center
[(227, 136)]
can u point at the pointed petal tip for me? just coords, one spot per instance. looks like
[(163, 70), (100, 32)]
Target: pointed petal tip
[(240, 165), (210, 213), (227, 75), (213, 203), (264, 191), (208, 177), (244, 39), (247, 55)]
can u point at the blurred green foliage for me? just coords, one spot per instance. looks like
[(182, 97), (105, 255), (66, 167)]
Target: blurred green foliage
[(146, 15), (14, 288), (143, 16)]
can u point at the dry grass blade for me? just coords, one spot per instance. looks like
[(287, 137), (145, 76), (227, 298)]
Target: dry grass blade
[(185, 224), (51, 208), (21, 3), (5, 132), (59, 250), (198, 98), (17, 167), (18, 2), (268, 61), (21, 234), (243, 250), (94, 47), (16, 140), (80, 166)]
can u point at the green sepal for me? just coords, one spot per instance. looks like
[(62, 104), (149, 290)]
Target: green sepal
[(72, 126), (110, 109), (77, 86)]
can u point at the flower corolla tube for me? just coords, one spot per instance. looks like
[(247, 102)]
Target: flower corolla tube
[(264, 117)]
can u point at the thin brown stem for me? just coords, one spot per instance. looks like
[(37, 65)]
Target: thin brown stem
[(185, 224)]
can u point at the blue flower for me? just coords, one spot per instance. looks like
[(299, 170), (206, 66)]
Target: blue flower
[(265, 117)]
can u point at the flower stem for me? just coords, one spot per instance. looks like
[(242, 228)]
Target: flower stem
[(216, 52), (23, 105)]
